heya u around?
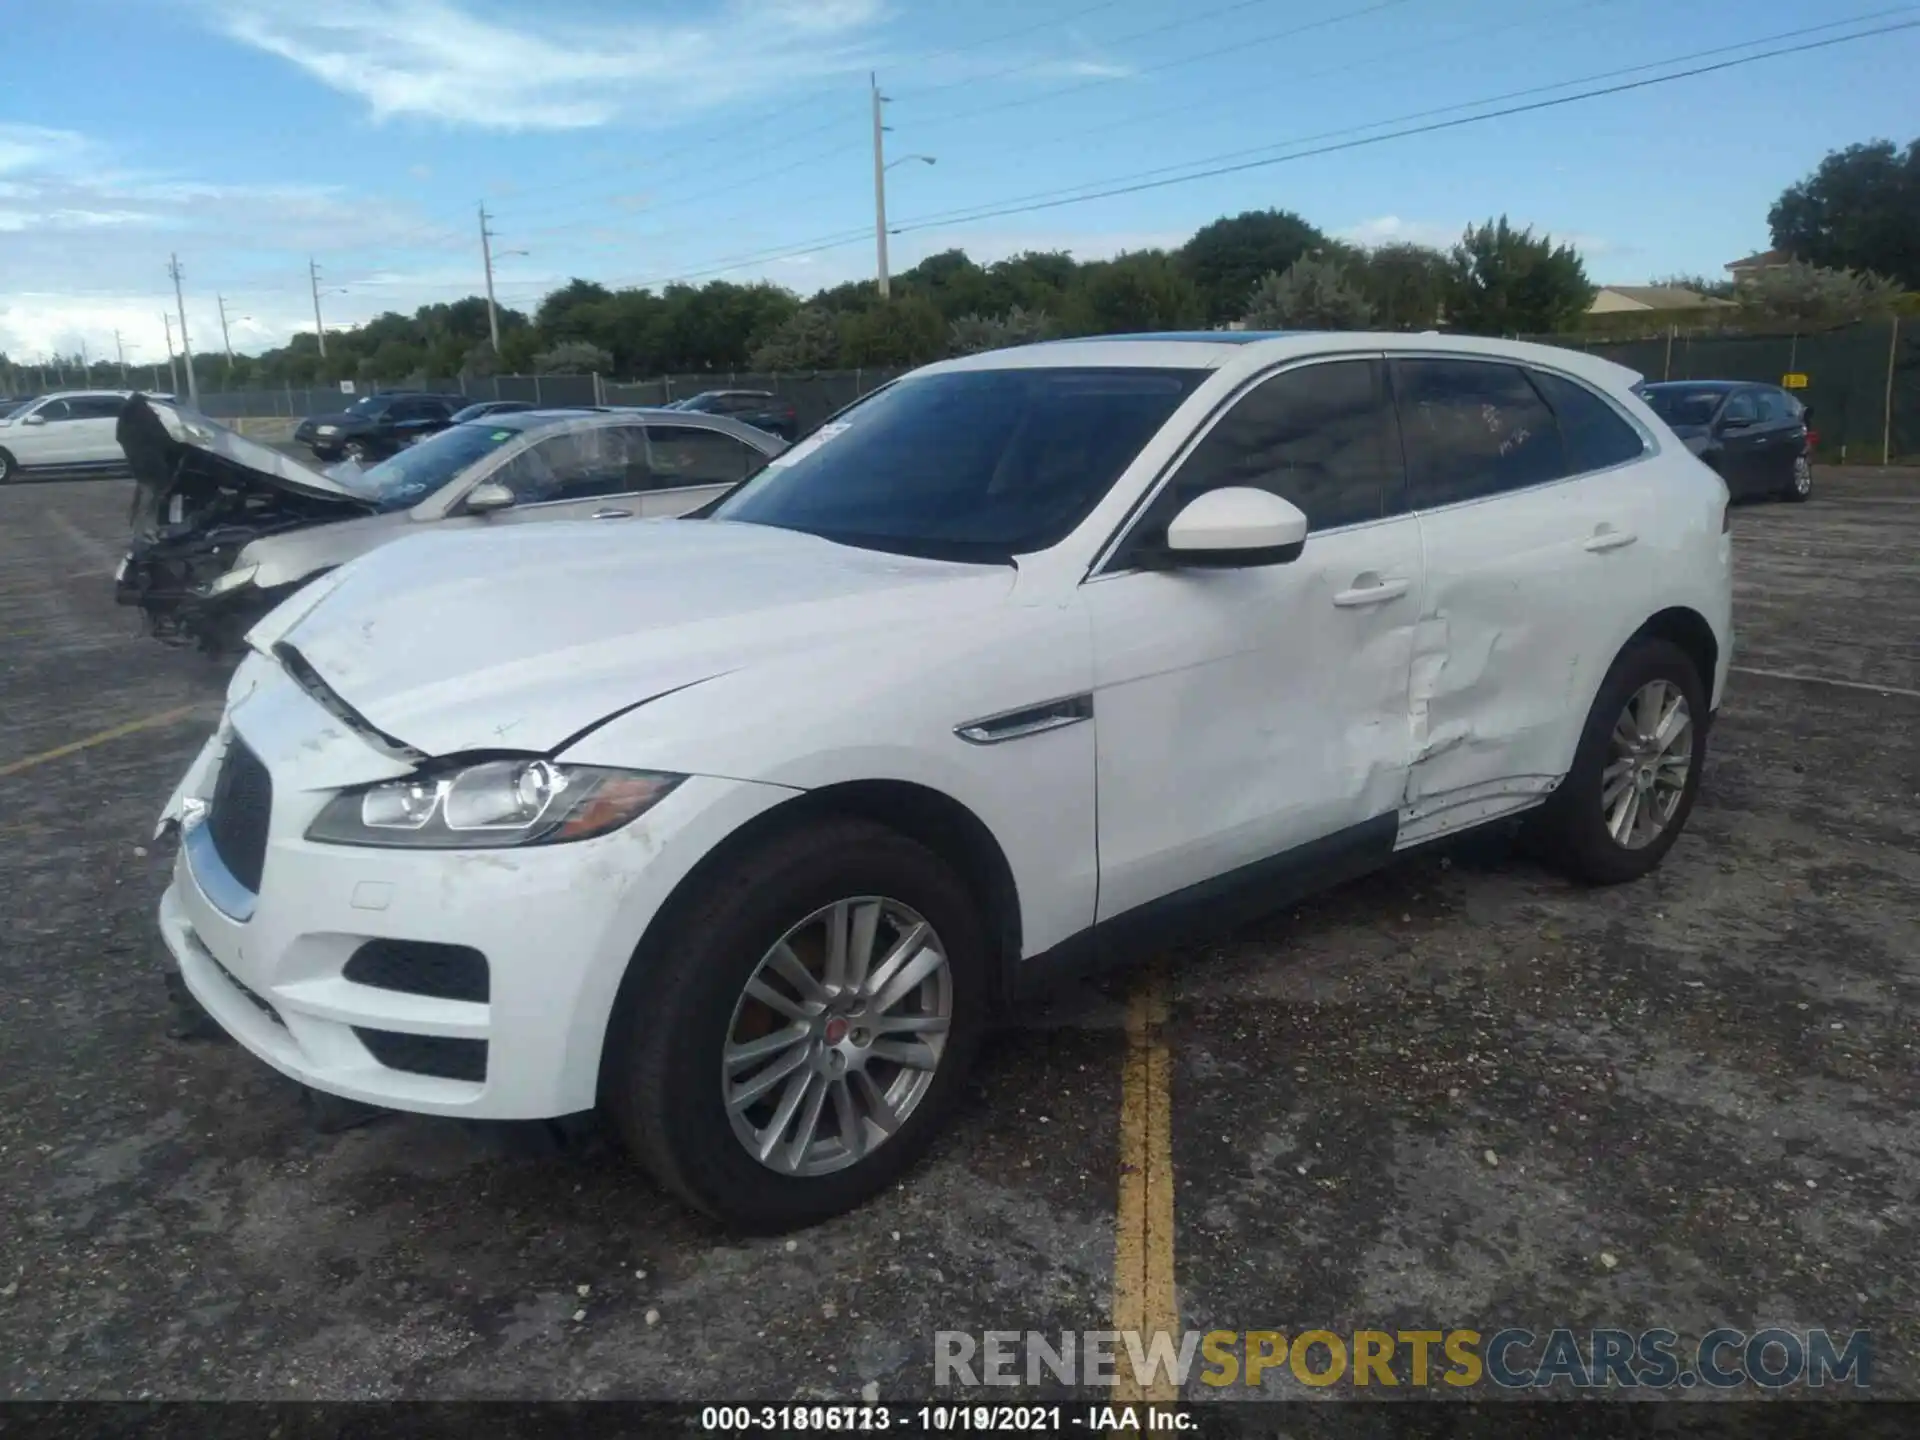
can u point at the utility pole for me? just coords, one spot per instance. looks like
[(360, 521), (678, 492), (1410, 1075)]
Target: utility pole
[(120, 350), (879, 183), (486, 260), (226, 341), (313, 279), (173, 375), (186, 345)]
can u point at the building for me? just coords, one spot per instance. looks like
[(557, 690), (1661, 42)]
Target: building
[(1748, 269), (1616, 299)]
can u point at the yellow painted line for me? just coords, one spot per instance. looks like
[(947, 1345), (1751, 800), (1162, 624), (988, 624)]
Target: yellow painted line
[(132, 727), (1143, 1292)]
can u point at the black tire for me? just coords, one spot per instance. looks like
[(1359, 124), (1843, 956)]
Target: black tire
[(1799, 486), (660, 1081), (356, 451), (9, 467), (1570, 830)]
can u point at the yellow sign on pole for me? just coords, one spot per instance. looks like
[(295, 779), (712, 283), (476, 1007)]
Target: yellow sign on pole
[(1795, 381)]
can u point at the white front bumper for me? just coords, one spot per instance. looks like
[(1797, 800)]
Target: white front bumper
[(557, 924)]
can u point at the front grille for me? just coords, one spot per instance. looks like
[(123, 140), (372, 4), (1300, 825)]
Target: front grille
[(237, 818), (420, 967), (444, 1056)]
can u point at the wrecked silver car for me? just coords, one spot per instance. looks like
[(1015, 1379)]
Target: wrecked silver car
[(224, 528)]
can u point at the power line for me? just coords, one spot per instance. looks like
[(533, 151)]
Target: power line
[(1218, 170), (1140, 182)]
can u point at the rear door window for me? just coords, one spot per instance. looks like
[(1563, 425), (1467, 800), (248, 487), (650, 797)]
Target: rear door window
[(1473, 428), (683, 455), (1592, 431)]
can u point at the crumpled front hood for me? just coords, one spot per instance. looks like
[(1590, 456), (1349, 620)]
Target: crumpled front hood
[(522, 636), (170, 450)]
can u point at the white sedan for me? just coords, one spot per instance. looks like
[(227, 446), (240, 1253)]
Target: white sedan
[(741, 827)]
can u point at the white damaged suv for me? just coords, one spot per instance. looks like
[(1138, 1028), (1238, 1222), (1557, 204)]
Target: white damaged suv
[(740, 827)]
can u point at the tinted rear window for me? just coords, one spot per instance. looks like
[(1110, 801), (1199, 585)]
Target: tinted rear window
[(1594, 434), (973, 464)]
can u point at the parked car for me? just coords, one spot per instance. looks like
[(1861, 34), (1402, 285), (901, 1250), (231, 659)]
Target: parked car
[(225, 528), (1757, 437), (67, 434), (740, 826), (376, 426), (490, 407), (760, 408)]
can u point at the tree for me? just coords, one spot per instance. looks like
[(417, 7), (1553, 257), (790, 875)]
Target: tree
[(1310, 295), (555, 308), (1144, 290), (1806, 295), (1406, 285), (573, 357), (1859, 210), (808, 339), (1227, 258), (1506, 282), (906, 330), (971, 334)]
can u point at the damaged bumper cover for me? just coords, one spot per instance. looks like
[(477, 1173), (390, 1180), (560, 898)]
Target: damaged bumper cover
[(308, 966)]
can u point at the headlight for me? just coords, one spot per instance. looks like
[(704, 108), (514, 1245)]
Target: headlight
[(491, 804), (327, 430), (232, 580)]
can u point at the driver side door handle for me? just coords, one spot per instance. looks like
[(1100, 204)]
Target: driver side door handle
[(1608, 538), (1378, 592), (612, 514)]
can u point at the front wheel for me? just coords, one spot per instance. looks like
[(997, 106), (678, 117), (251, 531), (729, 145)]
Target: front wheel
[(356, 452), (799, 1037), (1636, 772), (1800, 483), (7, 467)]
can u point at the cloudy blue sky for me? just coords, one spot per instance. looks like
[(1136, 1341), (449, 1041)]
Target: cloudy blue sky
[(638, 141)]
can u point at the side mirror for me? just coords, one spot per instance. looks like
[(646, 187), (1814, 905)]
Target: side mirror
[(487, 497), (34, 419), (1234, 527)]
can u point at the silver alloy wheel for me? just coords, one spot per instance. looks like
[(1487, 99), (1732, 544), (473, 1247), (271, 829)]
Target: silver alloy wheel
[(1802, 475), (847, 1013), (1648, 760)]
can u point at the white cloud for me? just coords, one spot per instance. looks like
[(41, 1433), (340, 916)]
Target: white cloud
[(1392, 230), (35, 147), (446, 60), (1080, 70)]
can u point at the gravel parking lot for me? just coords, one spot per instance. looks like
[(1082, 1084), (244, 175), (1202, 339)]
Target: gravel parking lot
[(1459, 1093)]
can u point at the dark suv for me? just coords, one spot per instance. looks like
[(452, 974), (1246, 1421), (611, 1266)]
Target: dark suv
[(1756, 436), (761, 409), (376, 426)]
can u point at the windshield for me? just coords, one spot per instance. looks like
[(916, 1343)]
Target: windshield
[(968, 465), (419, 470), (368, 405), (1679, 406)]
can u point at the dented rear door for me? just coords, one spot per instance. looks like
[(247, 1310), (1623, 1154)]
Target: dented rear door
[(1520, 599)]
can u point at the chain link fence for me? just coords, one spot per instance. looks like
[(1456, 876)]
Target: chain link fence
[(814, 396), (1862, 381)]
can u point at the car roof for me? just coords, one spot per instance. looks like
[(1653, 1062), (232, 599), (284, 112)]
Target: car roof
[(77, 394), (1698, 384), (1248, 352)]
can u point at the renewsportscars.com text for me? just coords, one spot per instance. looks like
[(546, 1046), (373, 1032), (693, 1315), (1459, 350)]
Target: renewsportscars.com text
[(1513, 1359)]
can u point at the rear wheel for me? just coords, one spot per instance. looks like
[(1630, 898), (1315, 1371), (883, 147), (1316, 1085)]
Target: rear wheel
[(7, 467), (1800, 483), (1636, 772), (800, 1036)]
